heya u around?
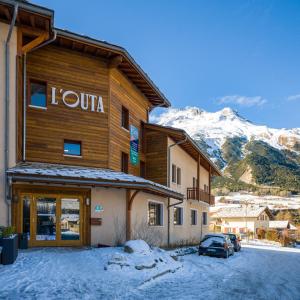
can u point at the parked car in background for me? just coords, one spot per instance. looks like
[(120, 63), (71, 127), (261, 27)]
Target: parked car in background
[(218, 245), (235, 240)]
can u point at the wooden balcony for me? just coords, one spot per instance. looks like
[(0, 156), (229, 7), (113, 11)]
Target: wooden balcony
[(200, 195)]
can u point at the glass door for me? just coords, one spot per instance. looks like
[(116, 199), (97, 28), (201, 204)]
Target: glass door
[(46, 218), (52, 219), (70, 219)]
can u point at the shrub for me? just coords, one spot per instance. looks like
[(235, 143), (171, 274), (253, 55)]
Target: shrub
[(272, 235), (6, 232)]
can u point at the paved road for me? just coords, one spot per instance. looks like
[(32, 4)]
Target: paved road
[(251, 274)]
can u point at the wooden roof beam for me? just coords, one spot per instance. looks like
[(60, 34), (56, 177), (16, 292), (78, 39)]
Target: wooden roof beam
[(37, 41), (115, 61)]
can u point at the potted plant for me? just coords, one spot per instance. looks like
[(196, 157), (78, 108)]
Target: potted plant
[(9, 244)]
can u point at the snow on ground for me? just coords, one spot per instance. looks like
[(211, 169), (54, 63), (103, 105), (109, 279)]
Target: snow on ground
[(62, 273), (273, 202)]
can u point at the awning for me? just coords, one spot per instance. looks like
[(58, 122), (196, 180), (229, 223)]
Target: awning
[(64, 174)]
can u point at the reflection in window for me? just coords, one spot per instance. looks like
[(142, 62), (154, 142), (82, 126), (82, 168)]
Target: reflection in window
[(46, 219), (72, 148), (38, 91), (70, 218)]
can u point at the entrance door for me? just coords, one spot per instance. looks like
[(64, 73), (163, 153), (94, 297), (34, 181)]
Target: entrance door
[(53, 220)]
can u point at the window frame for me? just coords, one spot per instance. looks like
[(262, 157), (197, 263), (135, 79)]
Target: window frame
[(124, 154), (196, 216), (180, 216), (28, 100), (161, 217), (125, 109), (204, 213), (72, 142)]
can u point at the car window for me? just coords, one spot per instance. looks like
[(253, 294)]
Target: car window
[(212, 241)]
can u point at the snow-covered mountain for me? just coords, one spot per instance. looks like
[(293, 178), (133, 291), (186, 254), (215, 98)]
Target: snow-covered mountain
[(216, 127), (248, 152)]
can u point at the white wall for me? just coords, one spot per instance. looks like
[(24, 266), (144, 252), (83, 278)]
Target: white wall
[(12, 111), (187, 232)]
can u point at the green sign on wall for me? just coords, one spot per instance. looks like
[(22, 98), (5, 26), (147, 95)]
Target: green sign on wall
[(134, 145)]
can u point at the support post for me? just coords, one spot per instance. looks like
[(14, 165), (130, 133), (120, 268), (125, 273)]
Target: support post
[(129, 200), (198, 177)]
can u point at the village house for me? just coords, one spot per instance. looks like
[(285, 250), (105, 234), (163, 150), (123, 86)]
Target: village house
[(80, 162), (241, 220)]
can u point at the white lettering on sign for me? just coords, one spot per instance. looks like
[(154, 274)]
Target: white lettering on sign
[(72, 99)]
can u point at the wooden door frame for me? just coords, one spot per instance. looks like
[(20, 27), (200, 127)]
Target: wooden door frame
[(20, 190)]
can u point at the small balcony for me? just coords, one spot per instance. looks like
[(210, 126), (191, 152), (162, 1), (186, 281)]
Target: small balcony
[(200, 195)]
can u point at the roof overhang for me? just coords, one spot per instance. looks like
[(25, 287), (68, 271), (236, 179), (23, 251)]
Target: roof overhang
[(17, 175), (188, 144), (29, 16), (126, 63)]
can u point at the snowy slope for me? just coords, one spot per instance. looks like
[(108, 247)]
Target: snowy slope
[(214, 128)]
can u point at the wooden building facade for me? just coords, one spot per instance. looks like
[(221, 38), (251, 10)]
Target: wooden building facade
[(88, 167)]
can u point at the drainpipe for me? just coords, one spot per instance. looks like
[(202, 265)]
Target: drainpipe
[(6, 115), (169, 183), (25, 89)]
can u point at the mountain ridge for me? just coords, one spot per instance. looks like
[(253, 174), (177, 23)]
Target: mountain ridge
[(242, 149)]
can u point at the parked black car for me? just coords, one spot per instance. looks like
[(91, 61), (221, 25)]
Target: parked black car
[(218, 245), (235, 241)]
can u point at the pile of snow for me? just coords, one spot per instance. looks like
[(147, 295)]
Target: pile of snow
[(137, 246), (137, 256)]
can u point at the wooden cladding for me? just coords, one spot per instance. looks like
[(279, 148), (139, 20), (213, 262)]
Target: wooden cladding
[(156, 156), (48, 128), (101, 135)]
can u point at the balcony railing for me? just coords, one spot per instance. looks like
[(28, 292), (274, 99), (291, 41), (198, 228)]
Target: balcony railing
[(200, 195)]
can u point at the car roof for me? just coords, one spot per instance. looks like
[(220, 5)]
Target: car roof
[(216, 235)]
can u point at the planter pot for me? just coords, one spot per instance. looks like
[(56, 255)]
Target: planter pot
[(9, 250)]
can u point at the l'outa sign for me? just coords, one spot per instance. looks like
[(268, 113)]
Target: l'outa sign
[(72, 99)]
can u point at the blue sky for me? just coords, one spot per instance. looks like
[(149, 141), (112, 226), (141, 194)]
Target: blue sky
[(211, 54)]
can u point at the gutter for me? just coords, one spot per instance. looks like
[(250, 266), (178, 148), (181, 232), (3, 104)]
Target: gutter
[(169, 182), (7, 193)]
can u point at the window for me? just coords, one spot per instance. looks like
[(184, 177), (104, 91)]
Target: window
[(178, 176), (72, 148), (178, 215), (155, 214), (38, 94), (193, 217), (142, 137), (204, 218), (124, 162), (142, 169), (173, 173), (125, 118)]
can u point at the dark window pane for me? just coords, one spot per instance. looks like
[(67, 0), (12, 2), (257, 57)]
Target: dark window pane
[(178, 176), (193, 217), (46, 219), (174, 173), (178, 215), (125, 118), (72, 148), (38, 94), (124, 162), (26, 216), (155, 214), (142, 169), (204, 218)]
